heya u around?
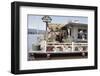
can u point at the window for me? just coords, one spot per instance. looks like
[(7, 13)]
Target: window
[(82, 34)]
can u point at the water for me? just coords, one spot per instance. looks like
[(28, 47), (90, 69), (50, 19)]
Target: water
[(33, 39)]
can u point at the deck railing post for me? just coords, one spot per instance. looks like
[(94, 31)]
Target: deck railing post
[(72, 46)]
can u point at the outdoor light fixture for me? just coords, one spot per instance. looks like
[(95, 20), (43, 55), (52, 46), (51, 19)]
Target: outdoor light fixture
[(46, 19)]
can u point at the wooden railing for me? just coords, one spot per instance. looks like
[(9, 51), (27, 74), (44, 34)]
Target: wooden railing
[(67, 47), (73, 46)]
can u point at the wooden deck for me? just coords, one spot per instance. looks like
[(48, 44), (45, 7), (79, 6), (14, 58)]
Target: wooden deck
[(55, 56)]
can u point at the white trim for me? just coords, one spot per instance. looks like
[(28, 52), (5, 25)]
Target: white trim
[(24, 64)]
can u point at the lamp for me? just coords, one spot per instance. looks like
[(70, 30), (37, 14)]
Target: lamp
[(46, 19)]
